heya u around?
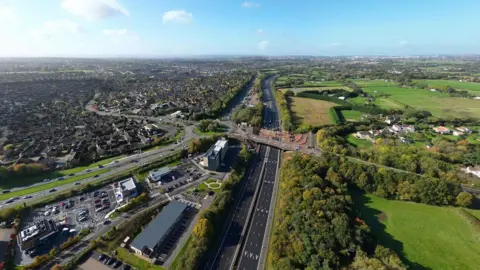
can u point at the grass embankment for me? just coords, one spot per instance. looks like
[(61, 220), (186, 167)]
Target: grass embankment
[(310, 111), (133, 260), (180, 253), (427, 237), (27, 181), (51, 184)]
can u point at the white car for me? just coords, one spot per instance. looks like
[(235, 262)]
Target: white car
[(47, 213)]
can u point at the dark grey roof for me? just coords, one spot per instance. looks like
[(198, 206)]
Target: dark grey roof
[(155, 231)]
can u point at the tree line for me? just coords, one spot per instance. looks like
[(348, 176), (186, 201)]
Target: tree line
[(315, 225)]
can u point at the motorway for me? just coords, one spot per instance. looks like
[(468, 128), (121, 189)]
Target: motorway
[(253, 244), (249, 210), (231, 238), (123, 164)]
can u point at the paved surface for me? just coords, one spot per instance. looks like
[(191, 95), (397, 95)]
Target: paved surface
[(231, 237), (250, 254), (122, 165)]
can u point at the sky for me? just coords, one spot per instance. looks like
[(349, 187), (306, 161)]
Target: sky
[(163, 28)]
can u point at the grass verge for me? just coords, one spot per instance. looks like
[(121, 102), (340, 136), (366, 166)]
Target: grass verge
[(50, 185), (136, 262), (180, 254)]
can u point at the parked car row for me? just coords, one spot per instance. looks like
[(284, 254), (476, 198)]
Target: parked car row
[(113, 262)]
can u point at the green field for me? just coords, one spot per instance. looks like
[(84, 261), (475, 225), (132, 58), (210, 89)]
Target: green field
[(358, 142), (315, 88), (471, 87), (50, 185), (440, 105), (351, 115), (310, 111), (322, 84), (426, 237)]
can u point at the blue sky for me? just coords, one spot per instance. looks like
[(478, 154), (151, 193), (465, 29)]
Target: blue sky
[(265, 27)]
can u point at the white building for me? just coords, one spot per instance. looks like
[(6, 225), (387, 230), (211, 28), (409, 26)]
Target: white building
[(215, 154), (125, 189)]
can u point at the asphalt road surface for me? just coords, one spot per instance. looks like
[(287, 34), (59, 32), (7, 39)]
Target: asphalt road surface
[(124, 164), (250, 254), (231, 238)]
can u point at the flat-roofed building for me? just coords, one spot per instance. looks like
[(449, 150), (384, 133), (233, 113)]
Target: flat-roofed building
[(214, 156), (152, 237), (125, 189), (159, 175), (36, 234)]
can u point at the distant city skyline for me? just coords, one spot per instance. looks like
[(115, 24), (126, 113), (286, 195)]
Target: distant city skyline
[(182, 28)]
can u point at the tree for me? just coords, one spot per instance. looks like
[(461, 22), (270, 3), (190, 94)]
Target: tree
[(56, 267), (53, 252), (464, 199)]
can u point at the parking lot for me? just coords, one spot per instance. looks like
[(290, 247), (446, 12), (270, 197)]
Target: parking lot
[(76, 213), (100, 261), (179, 176)]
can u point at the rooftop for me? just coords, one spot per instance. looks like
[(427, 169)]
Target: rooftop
[(128, 184), (156, 230), (217, 147)]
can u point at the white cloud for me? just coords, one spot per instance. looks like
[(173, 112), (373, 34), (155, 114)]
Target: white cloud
[(8, 16), (262, 45), (119, 35), (60, 27), (178, 16), (260, 31), (403, 43), (249, 4), (94, 9)]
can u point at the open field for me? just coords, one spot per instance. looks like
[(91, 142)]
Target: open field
[(322, 84), (473, 88), (315, 88), (310, 111), (50, 185), (351, 115), (440, 105), (368, 83), (426, 237)]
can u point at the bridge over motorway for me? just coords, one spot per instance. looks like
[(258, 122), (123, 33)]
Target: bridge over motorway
[(277, 143)]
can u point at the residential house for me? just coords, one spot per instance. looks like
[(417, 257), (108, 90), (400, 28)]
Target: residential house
[(442, 130)]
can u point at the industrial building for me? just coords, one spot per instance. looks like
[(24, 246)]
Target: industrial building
[(152, 237), (214, 156), (125, 189), (37, 234), (159, 175)]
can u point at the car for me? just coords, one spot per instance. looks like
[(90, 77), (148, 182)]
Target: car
[(116, 161), (105, 200), (96, 175), (106, 222), (126, 267), (97, 201), (82, 218), (46, 180), (16, 198), (72, 174), (96, 193), (111, 260), (48, 207), (82, 198), (52, 190), (5, 191), (9, 201), (28, 197), (106, 259), (77, 183), (88, 170), (117, 264), (47, 213), (61, 178), (101, 257)]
